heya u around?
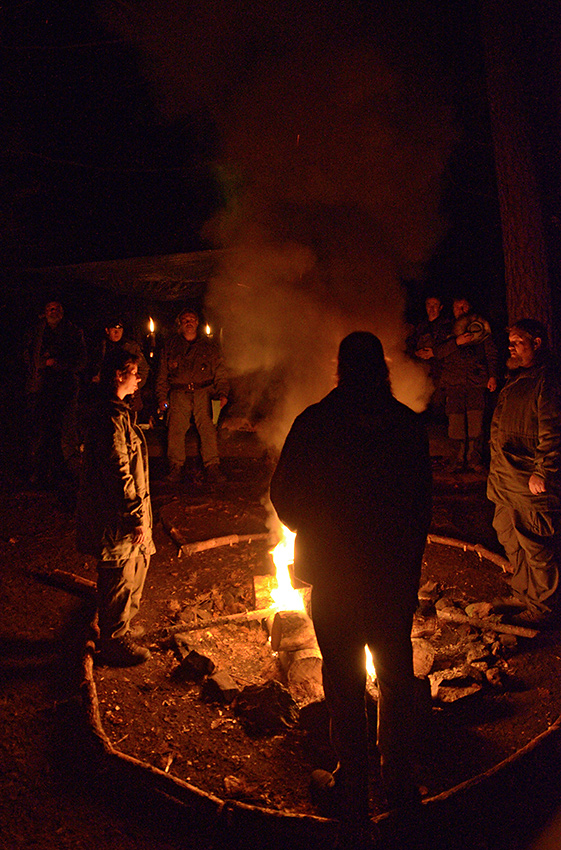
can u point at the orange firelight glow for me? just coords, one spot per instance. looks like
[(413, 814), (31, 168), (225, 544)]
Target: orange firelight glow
[(285, 597), (151, 325)]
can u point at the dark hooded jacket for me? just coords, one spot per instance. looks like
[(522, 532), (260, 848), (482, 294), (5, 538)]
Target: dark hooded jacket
[(354, 481), (526, 438)]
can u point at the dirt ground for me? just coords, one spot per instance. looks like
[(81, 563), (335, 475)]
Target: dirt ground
[(50, 799)]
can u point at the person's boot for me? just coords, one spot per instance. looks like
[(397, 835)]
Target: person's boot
[(122, 652)]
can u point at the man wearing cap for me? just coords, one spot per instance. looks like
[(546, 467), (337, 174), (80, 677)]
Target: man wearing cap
[(112, 340), (469, 368), (525, 475), (190, 375)]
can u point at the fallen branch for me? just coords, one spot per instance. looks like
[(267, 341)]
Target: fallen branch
[(212, 543), (68, 581), (485, 623), (480, 550)]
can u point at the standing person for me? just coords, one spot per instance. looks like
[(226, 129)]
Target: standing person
[(354, 481), (114, 517), (468, 368), (55, 354), (426, 338), (191, 374), (525, 474), (112, 339)]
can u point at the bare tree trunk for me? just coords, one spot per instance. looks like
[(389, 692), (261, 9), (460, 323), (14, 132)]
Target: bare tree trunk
[(528, 292)]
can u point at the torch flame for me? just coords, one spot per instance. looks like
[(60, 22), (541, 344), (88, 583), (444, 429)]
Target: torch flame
[(285, 597), (151, 325)]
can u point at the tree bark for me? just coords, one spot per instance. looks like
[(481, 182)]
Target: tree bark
[(528, 291)]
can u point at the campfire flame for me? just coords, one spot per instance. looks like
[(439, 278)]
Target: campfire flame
[(285, 597)]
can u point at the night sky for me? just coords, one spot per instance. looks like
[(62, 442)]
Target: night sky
[(114, 130)]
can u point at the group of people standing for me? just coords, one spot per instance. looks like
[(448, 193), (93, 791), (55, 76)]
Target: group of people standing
[(463, 364), (354, 482), (82, 421)]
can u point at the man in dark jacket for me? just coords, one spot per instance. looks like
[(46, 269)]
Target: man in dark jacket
[(55, 354), (354, 481), (525, 474), (114, 515)]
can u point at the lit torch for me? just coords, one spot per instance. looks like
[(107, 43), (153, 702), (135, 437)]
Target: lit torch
[(152, 336)]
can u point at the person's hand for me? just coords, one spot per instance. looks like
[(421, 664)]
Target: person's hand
[(424, 353), (163, 405), (138, 535), (536, 484), (492, 385), (463, 339), (223, 401)]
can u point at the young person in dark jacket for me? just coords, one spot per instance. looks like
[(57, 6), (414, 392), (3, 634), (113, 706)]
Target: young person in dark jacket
[(114, 516)]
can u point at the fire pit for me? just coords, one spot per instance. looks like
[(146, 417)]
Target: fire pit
[(234, 738)]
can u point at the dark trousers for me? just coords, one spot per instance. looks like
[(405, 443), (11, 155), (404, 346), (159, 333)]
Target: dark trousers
[(344, 625), (119, 590), (532, 542)]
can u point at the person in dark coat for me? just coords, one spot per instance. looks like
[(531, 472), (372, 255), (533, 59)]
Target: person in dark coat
[(114, 514), (525, 474), (354, 482), (468, 361), (113, 338), (55, 354)]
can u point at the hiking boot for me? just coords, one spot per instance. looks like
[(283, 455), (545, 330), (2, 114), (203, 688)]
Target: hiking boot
[(504, 604), (175, 473), (532, 619), (123, 652)]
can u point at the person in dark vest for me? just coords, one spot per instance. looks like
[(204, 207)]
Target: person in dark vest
[(354, 482)]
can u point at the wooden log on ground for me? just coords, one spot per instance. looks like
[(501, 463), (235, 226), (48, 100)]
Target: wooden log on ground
[(302, 665), (488, 624), (292, 630), (68, 581), (480, 550), (185, 548), (227, 540)]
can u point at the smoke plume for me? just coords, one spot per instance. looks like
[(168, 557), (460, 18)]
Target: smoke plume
[(332, 160)]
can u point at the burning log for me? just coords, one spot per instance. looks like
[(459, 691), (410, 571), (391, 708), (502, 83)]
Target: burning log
[(292, 630), (302, 665)]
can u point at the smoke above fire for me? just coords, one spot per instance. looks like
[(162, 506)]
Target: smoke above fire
[(332, 155)]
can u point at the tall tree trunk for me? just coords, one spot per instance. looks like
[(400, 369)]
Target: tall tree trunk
[(528, 292)]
